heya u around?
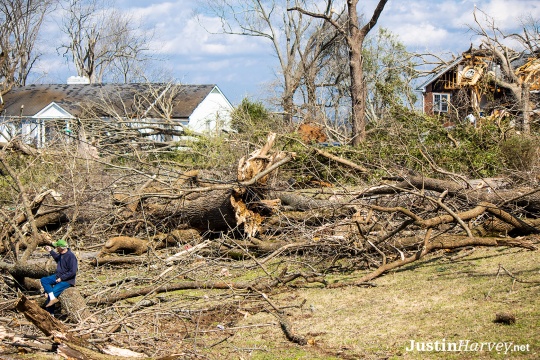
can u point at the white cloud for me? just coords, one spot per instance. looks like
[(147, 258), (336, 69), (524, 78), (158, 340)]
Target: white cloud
[(192, 38), (421, 35), (241, 62), (178, 31), (507, 13), (444, 24)]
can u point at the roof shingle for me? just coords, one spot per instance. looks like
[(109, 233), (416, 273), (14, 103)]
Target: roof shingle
[(138, 99)]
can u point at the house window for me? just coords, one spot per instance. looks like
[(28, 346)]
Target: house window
[(440, 102)]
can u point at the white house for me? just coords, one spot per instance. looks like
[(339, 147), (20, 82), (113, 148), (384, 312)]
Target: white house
[(38, 113)]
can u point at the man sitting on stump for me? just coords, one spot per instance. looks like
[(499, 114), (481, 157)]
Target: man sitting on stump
[(64, 277)]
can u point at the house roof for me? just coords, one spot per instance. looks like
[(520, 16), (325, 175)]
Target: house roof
[(143, 100), (521, 59), (438, 74)]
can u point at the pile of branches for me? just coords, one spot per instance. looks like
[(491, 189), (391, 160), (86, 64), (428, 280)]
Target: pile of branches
[(257, 217)]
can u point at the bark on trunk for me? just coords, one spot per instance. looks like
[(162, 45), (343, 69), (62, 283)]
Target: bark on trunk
[(74, 305), (209, 212), (529, 199), (302, 203), (355, 41), (71, 345), (240, 208), (56, 218), (43, 320), (526, 108), (32, 270)]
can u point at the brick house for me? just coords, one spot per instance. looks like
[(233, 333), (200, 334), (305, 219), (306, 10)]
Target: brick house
[(466, 85)]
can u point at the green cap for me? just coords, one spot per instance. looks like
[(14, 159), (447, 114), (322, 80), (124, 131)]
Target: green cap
[(60, 243)]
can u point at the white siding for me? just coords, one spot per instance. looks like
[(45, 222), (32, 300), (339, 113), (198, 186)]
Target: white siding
[(212, 114)]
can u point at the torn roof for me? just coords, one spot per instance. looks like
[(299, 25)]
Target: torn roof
[(437, 75), (142, 100), (519, 62)]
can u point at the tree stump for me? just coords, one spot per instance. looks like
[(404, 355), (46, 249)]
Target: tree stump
[(74, 305)]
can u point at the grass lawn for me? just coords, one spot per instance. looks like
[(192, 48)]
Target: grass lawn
[(432, 302)]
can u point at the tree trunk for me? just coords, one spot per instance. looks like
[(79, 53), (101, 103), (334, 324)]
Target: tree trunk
[(302, 203), (74, 305), (256, 285), (442, 242), (288, 106), (32, 270), (355, 41), (71, 345), (42, 319), (529, 199), (241, 207), (525, 108), (56, 218), (210, 211)]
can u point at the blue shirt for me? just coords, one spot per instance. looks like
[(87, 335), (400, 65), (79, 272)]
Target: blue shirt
[(66, 266)]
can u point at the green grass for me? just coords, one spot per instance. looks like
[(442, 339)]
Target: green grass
[(428, 301)]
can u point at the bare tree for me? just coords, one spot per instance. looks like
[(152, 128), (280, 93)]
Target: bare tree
[(321, 71), (388, 72), (296, 41), (143, 118), (20, 22), (100, 39), (354, 36), (514, 53)]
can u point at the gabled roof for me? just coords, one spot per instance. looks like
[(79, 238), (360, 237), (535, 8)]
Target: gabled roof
[(440, 73), (130, 99), (53, 111)]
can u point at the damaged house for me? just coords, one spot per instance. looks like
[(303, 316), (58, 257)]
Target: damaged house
[(478, 84), (40, 115)]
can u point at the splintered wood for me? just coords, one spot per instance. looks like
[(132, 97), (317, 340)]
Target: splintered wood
[(250, 169)]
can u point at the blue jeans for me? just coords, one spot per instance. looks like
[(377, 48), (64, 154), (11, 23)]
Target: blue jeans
[(50, 285)]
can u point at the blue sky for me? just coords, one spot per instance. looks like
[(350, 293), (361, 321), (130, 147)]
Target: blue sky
[(244, 67)]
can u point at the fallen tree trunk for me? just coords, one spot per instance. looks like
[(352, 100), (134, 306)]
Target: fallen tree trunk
[(238, 207), (497, 226), (28, 274), (524, 227), (44, 321), (32, 270), (71, 346), (54, 218), (302, 203), (441, 242), (187, 285), (118, 260), (528, 199), (124, 244), (74, 305)]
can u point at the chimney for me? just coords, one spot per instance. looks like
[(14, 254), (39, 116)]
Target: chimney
[(78, 80)]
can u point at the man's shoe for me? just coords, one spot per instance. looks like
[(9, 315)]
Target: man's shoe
[(52, 302)]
